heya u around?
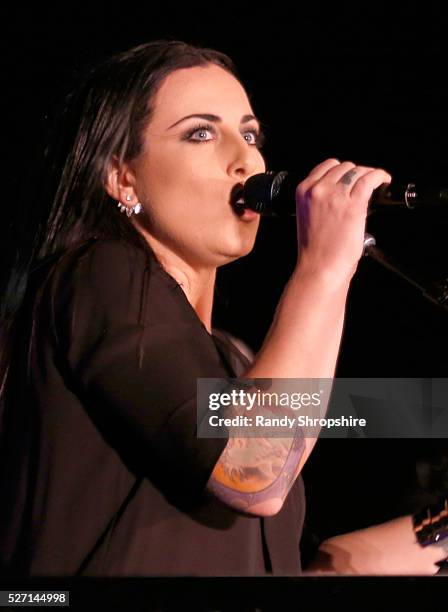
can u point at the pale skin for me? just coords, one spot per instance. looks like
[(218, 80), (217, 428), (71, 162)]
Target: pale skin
[(175, 178), (184, 178)]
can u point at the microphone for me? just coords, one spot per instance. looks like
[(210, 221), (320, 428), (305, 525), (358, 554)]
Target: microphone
[(273, 194)]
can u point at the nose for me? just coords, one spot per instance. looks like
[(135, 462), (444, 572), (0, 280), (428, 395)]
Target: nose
[(244, 160)]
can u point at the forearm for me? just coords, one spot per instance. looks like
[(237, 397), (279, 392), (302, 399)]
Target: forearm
[(256, 474), (304, 338), (303, 341)]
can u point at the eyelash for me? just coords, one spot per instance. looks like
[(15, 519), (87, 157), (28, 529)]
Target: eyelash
[(259, 136)]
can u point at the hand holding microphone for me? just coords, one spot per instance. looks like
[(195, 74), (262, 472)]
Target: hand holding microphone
[(331, 207), (273, 194)]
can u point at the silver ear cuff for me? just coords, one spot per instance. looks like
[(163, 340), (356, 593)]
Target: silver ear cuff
[(130, 210)]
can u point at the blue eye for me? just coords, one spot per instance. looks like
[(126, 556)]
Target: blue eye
[(200, 129), (258, 136)]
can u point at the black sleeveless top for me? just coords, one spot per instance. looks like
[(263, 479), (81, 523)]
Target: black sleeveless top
[(101, 472)]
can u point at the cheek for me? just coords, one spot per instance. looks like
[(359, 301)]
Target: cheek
[(189, 191), (176, 200), (173, 184), (159, 184), (262, 163)]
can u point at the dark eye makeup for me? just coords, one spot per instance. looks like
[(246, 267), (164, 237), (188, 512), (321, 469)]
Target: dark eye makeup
[(259, 136)]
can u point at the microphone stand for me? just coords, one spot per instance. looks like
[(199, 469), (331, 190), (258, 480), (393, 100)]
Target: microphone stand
[(435, 293), (262, 192)]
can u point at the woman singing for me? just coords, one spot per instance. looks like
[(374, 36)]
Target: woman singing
[(101, 468)]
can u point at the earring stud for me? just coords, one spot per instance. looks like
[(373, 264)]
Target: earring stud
[(129, 210)]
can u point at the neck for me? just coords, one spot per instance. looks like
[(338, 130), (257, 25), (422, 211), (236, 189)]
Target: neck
[(198, 283), (198, 286)]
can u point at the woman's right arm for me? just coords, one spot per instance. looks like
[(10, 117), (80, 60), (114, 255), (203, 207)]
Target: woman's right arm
[(303, 340)]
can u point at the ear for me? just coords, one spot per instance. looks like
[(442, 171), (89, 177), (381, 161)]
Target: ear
[(120, 182)]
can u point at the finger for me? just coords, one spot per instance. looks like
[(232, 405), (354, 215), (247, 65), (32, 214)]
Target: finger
[(330, 170), (319, 171), (438, 552), (369, 181), (348, 180), (334, 174), (347, 173)]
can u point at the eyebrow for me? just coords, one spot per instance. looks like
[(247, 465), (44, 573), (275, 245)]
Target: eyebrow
[(214, 118)]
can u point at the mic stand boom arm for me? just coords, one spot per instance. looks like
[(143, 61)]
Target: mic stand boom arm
[(436, 293)]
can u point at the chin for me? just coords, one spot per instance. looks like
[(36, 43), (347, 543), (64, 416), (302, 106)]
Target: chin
[(235, 251)]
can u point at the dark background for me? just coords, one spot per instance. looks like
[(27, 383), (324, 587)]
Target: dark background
[(350, 81)]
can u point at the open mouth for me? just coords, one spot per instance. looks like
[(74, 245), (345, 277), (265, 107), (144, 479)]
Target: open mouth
[(237, 198)]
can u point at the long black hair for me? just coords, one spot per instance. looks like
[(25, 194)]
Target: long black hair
[(102, 119)]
